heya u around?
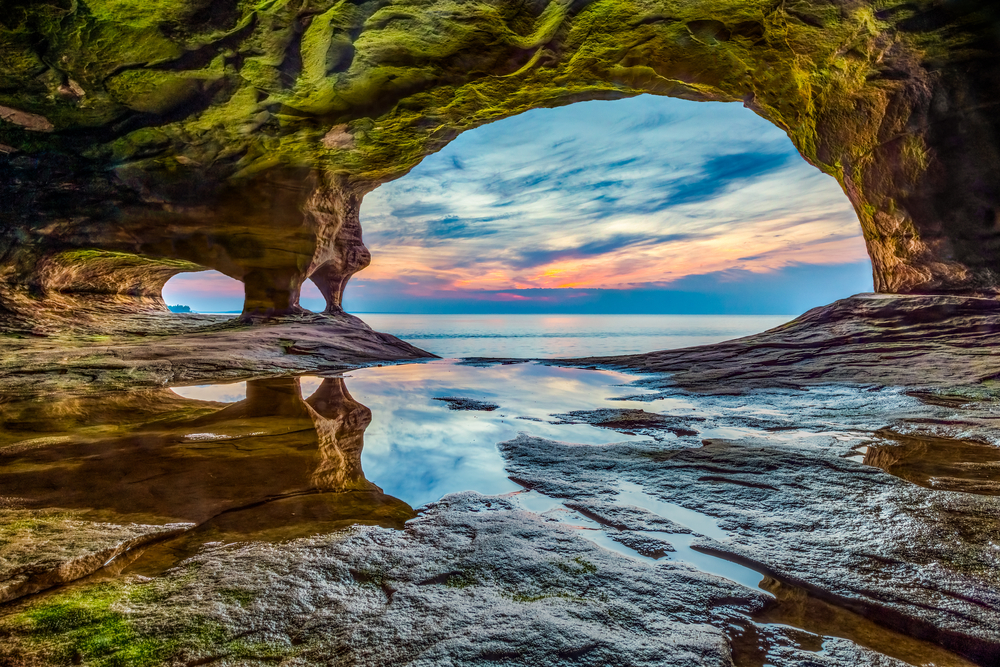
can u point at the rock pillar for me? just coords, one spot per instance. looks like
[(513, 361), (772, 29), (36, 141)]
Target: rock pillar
[(336, 211)]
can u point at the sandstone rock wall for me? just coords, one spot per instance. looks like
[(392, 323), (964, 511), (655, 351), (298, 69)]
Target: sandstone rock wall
[(241, 136)]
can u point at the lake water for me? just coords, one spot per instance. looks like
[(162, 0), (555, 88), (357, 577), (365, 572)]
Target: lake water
[(565, 336)]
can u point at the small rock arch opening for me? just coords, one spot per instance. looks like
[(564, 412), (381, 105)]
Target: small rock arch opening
[(214, 292), (204, 292), (311, 298), (644, 205)]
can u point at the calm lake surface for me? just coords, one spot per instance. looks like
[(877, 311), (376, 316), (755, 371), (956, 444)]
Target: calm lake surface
[(565, 336), (418, 448)]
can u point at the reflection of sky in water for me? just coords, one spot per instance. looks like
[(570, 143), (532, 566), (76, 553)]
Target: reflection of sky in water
[(237, 391), (220, 393), (418, 449)]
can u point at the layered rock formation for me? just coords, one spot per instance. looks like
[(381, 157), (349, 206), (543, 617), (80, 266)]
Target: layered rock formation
[(141, 140), (943, 343)]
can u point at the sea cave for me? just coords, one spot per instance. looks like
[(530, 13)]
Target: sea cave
[(276, 481)]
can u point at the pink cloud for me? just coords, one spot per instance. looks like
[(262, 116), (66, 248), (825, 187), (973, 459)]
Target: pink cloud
[(205, 282)]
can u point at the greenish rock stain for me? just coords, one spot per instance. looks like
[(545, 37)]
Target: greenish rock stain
[(93, 625), (85, 627)]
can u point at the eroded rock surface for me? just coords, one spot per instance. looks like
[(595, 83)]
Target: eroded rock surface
[(916, 560), (633, 421), (158, 349), (474, 581), (39, 550), (946, 343), (459, 403)]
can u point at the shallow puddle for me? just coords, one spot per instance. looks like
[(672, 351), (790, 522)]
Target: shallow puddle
[(945, 464), (798, 616), (283, 458)]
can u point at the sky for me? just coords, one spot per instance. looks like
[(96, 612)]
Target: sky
[(645, 205)]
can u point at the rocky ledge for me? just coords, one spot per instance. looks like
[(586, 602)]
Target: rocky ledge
[(155, 349), (940, 342)]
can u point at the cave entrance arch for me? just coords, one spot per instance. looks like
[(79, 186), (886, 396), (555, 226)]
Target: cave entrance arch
[(572, 205), (246, 144)]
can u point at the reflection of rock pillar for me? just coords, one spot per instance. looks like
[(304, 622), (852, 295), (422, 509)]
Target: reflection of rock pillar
[(273, 397), (340, 427), (270, 397), (337, 207)]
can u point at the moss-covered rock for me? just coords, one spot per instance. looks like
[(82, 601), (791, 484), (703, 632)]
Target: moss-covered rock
[(241, 135)]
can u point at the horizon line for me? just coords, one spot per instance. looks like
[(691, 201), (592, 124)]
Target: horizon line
[(392, 312)]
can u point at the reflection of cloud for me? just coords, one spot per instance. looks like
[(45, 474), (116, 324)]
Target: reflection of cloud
[(608, 195), (220, 393), (447, 451)]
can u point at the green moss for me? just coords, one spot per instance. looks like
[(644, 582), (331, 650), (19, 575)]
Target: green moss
[(237, 596), (228, 92), (121, 259), (461, 580), (411, 63), (93, 625), (577, 567), (143, 13), (153, 91), (83, 626)]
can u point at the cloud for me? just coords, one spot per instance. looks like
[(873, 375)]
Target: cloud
[(721, 172), (789, 291)]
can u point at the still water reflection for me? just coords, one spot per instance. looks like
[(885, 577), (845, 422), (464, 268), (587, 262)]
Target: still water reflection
[(269, 466), (419, 449), (282, 458), (286, 457)]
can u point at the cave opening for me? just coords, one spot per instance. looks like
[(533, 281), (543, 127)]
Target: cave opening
[(213, 292), (648, 205)]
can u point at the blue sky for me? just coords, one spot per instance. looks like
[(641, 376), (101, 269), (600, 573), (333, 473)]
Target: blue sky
[(643, 205)]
